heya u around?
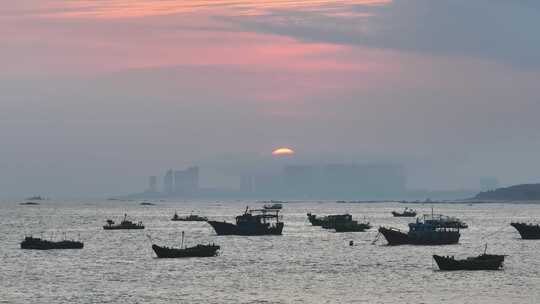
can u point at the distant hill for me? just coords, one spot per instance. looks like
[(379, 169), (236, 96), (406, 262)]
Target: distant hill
[(525, 192)]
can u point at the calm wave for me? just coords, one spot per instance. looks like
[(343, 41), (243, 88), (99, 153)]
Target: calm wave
[(305, 265)]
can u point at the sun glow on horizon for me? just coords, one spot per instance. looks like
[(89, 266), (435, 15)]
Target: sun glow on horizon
[(283, 151)]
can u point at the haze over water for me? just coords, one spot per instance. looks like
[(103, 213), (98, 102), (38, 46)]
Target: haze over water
[(97, 95), (305, 265), (441, 96)]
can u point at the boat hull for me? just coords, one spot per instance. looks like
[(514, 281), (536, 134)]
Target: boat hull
[(39, 244), (314, 220), (396, 237), (352, 227), (527, 231), (224, 228), (188, 220), (199, 251), (122, 227), (483, 262), (397, 214)]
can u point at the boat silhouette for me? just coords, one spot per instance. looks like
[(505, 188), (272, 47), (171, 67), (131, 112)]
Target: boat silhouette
[(481, 262), (189, 218), (252, 222), (199, 250), (124, 224), (41, 244), (422, 232), (406, 213), (527, 231)]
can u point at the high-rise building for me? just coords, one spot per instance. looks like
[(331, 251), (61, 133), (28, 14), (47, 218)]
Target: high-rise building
[(168, 182), (152, 184), (334, 181), (246, 184), (363, 180), (186, 182), (301, 180)]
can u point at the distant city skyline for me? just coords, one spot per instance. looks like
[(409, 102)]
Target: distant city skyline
[(96, 97), (288, 179)]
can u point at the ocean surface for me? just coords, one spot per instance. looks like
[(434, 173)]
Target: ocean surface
[(305, 265)]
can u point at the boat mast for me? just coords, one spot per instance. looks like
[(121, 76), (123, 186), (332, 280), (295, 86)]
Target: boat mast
[(182, 245)]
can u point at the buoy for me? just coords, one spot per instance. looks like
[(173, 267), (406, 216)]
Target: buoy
[(351, 243)]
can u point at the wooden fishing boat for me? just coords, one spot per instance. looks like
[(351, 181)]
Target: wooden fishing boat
[(406, 213), (527, 231), (199, 251), (189, 218), (41, 244), (482, 262), (252, 222), (124, 224)]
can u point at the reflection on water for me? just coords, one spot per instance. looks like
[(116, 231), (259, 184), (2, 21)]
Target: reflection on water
[(305, 265)]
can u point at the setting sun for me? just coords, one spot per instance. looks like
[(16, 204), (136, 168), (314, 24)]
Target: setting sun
[(283, 151)]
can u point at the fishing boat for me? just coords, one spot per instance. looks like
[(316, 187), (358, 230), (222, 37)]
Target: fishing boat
[(273, 205), (527, 231), (189, 218), (444, 221), (352, 226), (331, 221), (316, 221), (199, 250), (29, 203), (421, 233), (41, 244), (252, 222), (124, 224), (147, 204), (481, 262), (406, 213)]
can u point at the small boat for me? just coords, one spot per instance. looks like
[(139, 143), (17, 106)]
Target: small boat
[(189, 218), (527, 231), (273, 205), (331, 221), (40, 244), (124, 224), (316, 221), (352, 226), (339, 222), (209, 250), (481, 262), (406, 213), (252, 222), (37, 198)]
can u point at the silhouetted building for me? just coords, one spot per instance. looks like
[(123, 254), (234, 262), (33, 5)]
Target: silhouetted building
[(246, 184), (364, 180), (186, 182), (334, 181), (301, 180), (168, 183), (152, 184)]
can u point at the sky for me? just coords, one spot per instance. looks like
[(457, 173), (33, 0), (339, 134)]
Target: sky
[(95, 95)]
